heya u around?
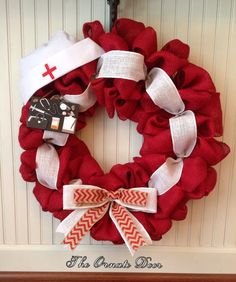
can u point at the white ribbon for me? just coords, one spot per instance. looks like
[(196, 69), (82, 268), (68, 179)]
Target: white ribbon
[(183, 129), (163, 92), (167, 175), (47, 165), (56, 138), (122, 64), (85, 101)]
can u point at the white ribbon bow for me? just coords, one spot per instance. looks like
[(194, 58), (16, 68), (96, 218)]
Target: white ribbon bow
[(92, 202)]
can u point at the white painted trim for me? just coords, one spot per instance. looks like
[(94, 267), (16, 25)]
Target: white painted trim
[(173, 259)]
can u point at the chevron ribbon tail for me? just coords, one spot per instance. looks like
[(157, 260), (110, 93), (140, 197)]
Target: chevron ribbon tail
[(131, 230), (81, 228)]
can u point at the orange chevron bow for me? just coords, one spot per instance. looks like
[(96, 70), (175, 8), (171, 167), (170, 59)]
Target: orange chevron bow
[(84, 196), (91, 203)]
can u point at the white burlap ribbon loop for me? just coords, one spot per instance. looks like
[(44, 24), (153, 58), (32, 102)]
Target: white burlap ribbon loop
[(85, 100), (122, 64), (183, 131), (167, 175), (163, 92), (56, 138), (47, 165)]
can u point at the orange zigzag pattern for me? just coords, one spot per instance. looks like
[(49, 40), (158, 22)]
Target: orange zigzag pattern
[(133, 197), (92, 196), (84, 225), (89, 196), (128, 227)]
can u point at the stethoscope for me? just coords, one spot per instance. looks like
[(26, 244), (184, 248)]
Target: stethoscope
[(51, 110)]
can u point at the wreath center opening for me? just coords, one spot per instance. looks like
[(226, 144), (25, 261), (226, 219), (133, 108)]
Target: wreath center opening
[(111, 140)]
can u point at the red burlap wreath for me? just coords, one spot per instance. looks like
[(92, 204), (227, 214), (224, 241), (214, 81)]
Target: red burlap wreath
[(130, 100)]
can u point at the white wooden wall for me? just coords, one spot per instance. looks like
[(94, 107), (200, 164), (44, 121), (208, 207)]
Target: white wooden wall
[(208, 26)]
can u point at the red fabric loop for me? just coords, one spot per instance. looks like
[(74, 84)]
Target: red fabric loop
[(93, 30), (178, 48), (128, 30)]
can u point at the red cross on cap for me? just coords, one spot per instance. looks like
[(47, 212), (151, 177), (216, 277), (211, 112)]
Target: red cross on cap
[(49, 71)]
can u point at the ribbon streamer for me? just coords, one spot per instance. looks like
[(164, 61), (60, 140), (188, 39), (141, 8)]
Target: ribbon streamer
[(163, 92), (56, 138), (92, 202), (85, 100), (47, 165), (183, 131), (167, 175)]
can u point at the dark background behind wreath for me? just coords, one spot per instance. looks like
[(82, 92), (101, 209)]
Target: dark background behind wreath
[(209, 27)]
